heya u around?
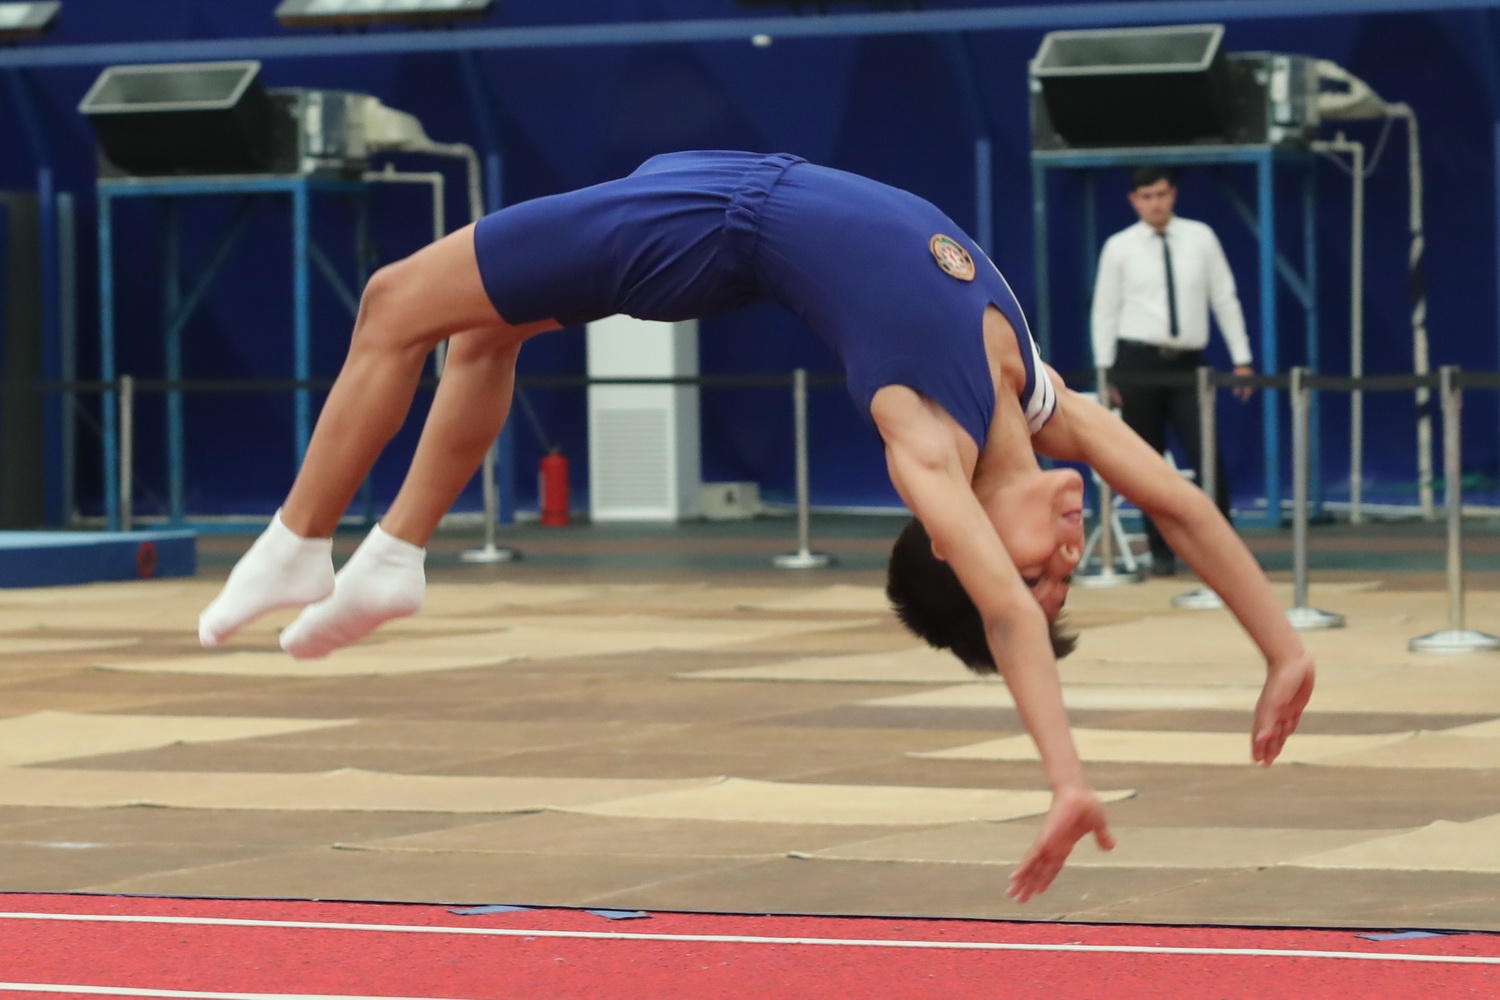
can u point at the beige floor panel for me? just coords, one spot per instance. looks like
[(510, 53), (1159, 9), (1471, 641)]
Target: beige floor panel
[(1426, 750), (797, 886), (1107, 697), (1487, 730), (553, 834), (529, 638), (1340, 688), (740, 800), (346, 788), (917, 665), (1124, 745), (43, 736), (1154, 596), (373, 659), (1144, 847), (1204, 637), (1446, 687), (1305, 897), (16, 645), (447, 878), (840, 597), (1442, 846), (195, 828), (82, 597), (500, 595)]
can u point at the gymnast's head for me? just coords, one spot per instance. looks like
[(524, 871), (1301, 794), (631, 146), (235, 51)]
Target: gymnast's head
[(1039, 521)]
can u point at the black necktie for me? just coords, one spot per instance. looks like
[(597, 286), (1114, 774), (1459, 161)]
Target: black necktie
[(1166, 255)]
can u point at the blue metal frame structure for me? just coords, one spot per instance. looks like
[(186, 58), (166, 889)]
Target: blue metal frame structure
[(677, 31), (177, 306), (727, 29), (1264, 160), (56, 348)]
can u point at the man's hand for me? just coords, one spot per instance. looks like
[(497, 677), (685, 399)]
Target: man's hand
[(1244, 392), (1288, 687), (1074, 815)]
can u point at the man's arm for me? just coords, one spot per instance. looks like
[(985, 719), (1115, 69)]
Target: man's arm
[(1225, 302), (924, 466), (1108, 293), (1083, 431)]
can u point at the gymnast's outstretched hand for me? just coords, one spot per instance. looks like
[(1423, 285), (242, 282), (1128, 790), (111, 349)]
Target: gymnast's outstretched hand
[(1075, 814), (1288, 687)]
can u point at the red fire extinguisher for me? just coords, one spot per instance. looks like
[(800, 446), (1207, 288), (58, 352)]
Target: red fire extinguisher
[(553, 488)]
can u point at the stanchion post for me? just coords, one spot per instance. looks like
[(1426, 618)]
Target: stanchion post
[(1455, 638), (1104, 532), (127, 449), (1300, 615), (804, 557), (1204, 599), (489, 552)]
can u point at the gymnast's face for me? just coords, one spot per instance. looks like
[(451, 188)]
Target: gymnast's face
[(1040, 521)]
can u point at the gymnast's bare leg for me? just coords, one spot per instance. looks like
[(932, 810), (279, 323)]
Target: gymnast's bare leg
[(407, 308)]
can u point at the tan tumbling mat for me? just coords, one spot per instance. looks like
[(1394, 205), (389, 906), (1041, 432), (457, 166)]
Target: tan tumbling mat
[(532, 638), (1430, 750), (840, 597), (344, 789), (1126, 697), (1146, 747), (1439, 846), (1137, 847), (917, 665), (44, 736), (742, 800), (14, 645), (371, 659), (1488, 730)]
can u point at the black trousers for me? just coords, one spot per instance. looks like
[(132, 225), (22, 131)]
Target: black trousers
[(1152, 411)]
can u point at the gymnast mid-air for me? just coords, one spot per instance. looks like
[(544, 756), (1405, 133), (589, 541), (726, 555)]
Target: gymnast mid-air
[(937, 353)]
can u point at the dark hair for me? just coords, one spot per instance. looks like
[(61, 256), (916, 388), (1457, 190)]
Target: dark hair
[(927, 597), (1149, 175)]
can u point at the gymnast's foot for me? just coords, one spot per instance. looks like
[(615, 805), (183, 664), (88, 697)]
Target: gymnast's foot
[(381, 581), (280, 570)]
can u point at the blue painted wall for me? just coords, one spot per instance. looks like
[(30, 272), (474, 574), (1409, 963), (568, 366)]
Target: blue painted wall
[(891, 107)]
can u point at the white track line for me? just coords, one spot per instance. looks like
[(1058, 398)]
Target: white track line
[(1119, 949), (125, 991)]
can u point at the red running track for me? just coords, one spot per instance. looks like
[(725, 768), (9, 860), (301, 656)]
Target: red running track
[(91, 946)]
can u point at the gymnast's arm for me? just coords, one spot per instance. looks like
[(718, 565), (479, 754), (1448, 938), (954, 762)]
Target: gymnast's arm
[(924, 466), (1083, 431)]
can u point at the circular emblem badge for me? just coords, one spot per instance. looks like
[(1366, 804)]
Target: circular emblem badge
[(952, 257)]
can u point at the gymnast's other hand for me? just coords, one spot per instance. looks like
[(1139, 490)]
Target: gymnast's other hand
[(1288, 687), (1075, 813)]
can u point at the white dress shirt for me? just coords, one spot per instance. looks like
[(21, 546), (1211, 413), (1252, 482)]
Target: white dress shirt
[(1130, 295)]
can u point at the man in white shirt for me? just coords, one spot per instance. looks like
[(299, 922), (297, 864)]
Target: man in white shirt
[(1157, 281)]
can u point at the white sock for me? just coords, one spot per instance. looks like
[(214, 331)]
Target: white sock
[(381, 581), (280, 570)]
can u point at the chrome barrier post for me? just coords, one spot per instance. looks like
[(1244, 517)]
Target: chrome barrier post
[(1108, 529), (127, 449), (804, 557), (1302, 617), (1455, 638), (1204, 599), (490, 552)]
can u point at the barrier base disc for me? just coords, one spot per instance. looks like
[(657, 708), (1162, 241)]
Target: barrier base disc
[(1108, 578), (1454, 640), (1201, 599), (489, 554), (802, 560), (1309, 619)]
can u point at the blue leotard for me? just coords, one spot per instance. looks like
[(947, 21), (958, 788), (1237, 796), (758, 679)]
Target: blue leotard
[(890, 283)]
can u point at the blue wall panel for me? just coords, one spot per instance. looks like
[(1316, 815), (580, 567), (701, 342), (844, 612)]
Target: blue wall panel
[(889, 106)]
